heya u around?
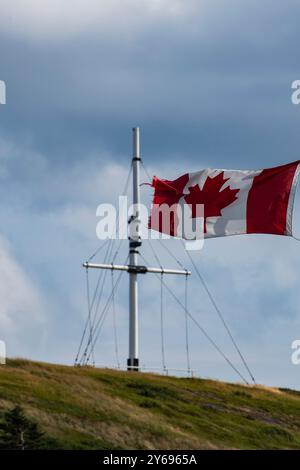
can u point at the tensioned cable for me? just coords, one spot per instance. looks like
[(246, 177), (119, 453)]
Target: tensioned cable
[(88, 321), (220, 316), (124, 192), (162, 324), (101, 274), (104, 272), (89, 341), (155, 254), (201, 328), (161, 313), (146, 171), (162, 340), (98, 250), (115, 321), (99, 300), (217, 309), (109, 300), (104, 313), (91, 307), (109, 248), (187, 325), (102, 317), (104, 275)]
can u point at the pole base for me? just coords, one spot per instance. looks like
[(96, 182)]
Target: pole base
[(133, 364)]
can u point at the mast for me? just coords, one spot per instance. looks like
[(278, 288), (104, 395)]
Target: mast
[(133, 268), (134, 245)]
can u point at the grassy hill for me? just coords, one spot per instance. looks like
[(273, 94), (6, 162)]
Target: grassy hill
[(87, 408)]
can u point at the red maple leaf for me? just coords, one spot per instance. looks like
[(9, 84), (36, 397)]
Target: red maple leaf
[(211, 197)]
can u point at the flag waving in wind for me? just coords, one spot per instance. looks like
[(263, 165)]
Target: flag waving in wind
[(235, 202)]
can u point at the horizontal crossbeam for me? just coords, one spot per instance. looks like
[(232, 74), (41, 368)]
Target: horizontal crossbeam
[(136, 269)]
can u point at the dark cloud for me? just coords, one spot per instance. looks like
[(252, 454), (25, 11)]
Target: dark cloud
[(217, 86)]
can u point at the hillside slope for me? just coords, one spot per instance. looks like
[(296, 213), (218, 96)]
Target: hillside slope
[(87, 408)]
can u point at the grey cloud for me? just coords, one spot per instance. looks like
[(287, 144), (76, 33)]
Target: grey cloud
[(209, 87)]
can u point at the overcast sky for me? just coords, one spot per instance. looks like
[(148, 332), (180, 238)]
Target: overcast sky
[(209, 83)]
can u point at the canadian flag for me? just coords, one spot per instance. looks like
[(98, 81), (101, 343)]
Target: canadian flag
[(235, 201)]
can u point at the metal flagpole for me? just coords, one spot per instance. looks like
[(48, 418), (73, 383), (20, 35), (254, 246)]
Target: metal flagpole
[(133, 268), (134, 244)]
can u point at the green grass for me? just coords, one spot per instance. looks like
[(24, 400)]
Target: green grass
[(87, 408)]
